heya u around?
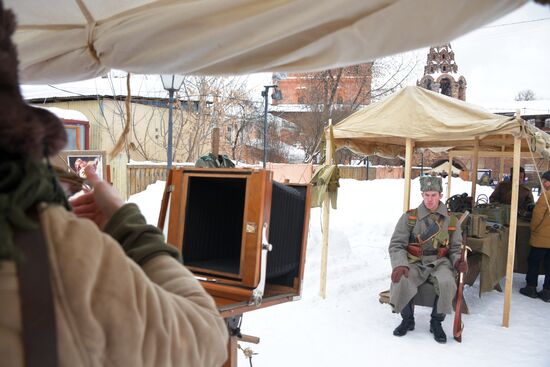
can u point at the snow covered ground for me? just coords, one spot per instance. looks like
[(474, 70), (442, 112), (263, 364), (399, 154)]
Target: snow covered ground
[(351, 328)]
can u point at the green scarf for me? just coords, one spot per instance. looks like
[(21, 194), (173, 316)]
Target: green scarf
[(23, 184)]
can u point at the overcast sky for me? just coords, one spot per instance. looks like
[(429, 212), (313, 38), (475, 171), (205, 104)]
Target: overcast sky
[(497, 60), (501, 59)]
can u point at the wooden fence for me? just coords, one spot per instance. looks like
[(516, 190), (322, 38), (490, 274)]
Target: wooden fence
[(142, 175)]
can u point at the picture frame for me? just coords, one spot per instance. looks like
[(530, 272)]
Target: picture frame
[(75, 161)]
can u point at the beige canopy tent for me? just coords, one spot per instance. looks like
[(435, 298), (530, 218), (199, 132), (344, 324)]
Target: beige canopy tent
[(68, 40), (417, 118)]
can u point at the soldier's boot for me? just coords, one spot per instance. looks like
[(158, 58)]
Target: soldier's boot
[(407, 324), (435, 324), (545, 295), (529, 291)]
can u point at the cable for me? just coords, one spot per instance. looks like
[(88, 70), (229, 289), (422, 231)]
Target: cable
[(514, 23)]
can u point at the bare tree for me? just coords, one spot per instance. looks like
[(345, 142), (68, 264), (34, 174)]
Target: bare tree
[(338, 93), (525, 95)]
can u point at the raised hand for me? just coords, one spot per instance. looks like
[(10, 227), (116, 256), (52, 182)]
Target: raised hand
[(100, 204)]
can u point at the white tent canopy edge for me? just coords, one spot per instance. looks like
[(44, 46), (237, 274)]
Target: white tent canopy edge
[(68, 40)]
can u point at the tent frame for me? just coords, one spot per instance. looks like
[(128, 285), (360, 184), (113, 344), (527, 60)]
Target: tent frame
[(488, 146)]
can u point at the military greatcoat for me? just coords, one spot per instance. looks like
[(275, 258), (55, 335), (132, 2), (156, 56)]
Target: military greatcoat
[(439, 270)]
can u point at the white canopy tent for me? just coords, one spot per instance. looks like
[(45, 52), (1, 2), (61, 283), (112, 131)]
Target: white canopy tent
[(417, 118), (68, 40)]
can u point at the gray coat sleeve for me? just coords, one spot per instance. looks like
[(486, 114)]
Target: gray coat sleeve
[(399, 242)]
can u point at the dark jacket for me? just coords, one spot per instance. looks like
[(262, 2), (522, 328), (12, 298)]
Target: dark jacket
[(503, 195)]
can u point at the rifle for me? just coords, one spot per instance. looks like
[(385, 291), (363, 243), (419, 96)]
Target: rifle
[(458, 325)]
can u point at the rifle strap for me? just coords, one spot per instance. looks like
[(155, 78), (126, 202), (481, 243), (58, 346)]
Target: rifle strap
[(39, 332)]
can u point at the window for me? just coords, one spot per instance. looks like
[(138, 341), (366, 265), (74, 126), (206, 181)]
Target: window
[(445, 87), (229, 134)]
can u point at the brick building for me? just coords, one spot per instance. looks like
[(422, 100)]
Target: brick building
[(310, 98)]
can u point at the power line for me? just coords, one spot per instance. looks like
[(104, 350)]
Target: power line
[(514, 23)]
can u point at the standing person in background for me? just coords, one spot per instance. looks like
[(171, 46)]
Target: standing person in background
[(540, 246), (425, 247), (503, 193), (109, 289)]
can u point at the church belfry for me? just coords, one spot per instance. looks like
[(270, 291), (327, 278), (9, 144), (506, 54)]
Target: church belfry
[(441, 73)]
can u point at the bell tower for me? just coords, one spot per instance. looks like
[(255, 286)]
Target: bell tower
[(441, 73)]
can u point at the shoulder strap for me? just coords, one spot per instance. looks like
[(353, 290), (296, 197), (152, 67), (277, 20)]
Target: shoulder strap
[(37, 308), (412, 217)]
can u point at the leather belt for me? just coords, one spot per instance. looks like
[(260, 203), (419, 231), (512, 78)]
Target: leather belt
[(417, 251)]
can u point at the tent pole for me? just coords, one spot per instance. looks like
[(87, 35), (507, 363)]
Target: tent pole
[(501, 173), (450, 174), (512, 234), (408, 167), (326, 214), (475, 159)]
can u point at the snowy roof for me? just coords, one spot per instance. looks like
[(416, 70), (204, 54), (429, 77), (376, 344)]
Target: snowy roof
[(66, 114), (534, 107), (148, 86), (289, 108)]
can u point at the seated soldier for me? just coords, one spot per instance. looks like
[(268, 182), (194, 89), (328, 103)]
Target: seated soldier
[(422, 249)]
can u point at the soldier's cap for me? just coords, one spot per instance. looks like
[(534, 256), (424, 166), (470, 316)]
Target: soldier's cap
[(431, 183)]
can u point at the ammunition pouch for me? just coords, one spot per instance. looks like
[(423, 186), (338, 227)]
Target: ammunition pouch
[(417, 251)]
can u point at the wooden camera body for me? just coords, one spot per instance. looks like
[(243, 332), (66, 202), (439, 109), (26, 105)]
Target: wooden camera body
[(242, 234)]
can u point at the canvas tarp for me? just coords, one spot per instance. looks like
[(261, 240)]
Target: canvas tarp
[(431, 120), (68, 40), (444, 167)]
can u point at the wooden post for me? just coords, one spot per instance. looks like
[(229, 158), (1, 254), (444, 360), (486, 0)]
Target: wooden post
[(232, 346), (475, 159), (326, 214), (215, 142), (512, 234), (408, 167), (450, 175), (501, 173)]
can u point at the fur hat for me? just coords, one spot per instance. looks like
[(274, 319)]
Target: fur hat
[(431, 183), (24, 130)]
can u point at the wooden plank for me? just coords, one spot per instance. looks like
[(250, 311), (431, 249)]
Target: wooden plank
[(231, 352), (258, 198), (501, 172), (305, 233), (450, 175), (178, 202), (408, 167), (512, 235), (475, 161), (326, 216), (491, 154)]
